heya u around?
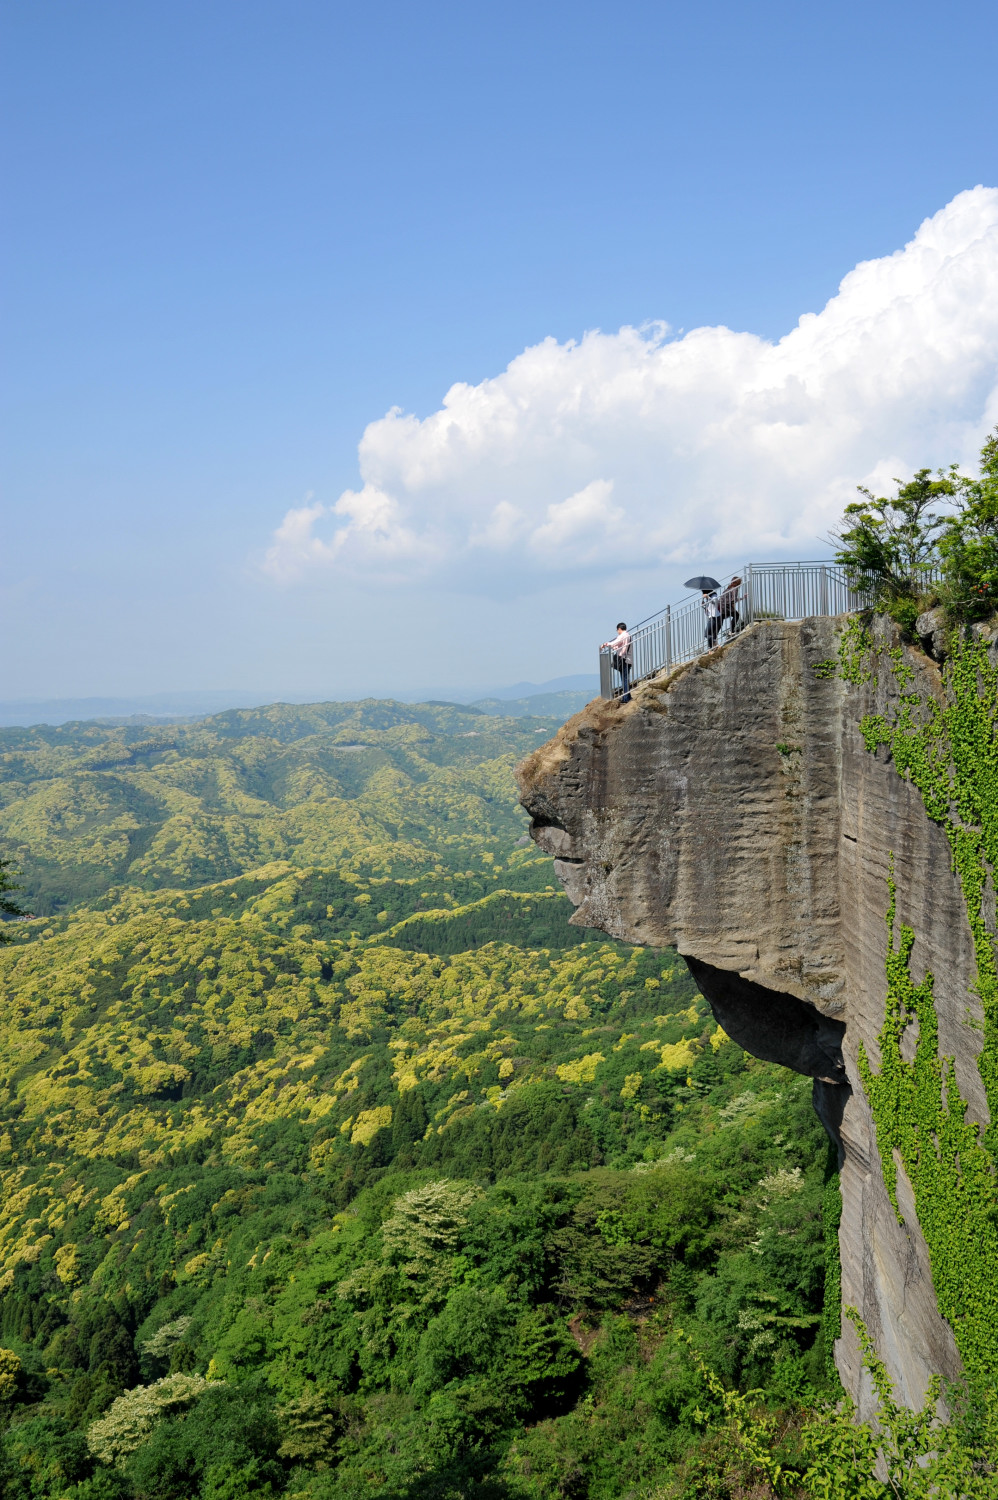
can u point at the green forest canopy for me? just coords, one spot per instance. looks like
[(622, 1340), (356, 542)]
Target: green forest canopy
[(334, 1161)]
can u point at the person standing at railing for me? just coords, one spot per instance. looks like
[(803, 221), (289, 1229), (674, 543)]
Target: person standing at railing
[(728, 606), (712, 610), (622, 658)]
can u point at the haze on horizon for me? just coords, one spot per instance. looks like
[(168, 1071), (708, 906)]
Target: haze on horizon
[(349, 349)]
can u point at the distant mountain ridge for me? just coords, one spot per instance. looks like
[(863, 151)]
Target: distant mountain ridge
[(153, 707), (556, 705)]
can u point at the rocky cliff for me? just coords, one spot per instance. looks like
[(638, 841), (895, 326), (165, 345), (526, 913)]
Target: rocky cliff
[(744, 809)]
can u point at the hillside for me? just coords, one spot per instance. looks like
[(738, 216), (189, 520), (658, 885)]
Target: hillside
[(365, 1174), (378, 787)]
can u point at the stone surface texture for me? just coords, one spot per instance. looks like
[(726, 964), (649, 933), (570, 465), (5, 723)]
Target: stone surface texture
[(732, 809)]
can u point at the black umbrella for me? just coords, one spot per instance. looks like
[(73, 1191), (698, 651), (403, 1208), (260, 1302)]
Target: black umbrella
[(701, 583)]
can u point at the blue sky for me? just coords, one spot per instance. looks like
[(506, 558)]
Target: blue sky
[(240, 233)]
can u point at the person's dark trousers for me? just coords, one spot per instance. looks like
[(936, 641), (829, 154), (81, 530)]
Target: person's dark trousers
[(624, 668), (713, 626)]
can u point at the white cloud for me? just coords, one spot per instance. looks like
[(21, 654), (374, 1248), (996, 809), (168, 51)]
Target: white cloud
[(637, 447), (578, 531), (294, 546)]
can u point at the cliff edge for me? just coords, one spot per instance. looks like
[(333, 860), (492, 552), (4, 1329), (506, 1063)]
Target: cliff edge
[(742, 809)]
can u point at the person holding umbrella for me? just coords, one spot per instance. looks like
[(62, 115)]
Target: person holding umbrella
[(712, 610)]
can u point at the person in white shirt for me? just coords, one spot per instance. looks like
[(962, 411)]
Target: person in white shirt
[(622, 658), (712, 610)]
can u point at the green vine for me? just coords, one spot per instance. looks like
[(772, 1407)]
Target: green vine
[(855, 647), (921, 1116), (949, 751)]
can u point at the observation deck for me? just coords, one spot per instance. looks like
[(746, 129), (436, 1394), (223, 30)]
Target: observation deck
[(768, 591)]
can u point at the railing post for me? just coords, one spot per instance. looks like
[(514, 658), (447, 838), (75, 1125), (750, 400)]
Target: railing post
[(605, 675), (668, 637), (824, 589), (748, 593)]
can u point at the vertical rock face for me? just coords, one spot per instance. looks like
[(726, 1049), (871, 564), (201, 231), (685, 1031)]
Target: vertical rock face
[(733, 810)]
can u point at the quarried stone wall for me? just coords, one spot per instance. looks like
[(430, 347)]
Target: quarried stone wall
[(732, 809)]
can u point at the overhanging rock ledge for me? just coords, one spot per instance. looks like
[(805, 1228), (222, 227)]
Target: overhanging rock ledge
[(732, 810)]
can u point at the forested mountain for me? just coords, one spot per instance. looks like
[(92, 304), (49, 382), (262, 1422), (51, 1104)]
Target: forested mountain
[(334, 1162), (380, 787)]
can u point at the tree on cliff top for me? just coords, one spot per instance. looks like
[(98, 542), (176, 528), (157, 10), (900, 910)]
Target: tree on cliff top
[(895, 548), (888, 546)]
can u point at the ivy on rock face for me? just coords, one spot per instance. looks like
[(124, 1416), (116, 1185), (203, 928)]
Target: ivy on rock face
[(949, 751), (920, 1114)]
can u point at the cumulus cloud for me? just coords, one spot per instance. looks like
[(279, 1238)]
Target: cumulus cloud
[(637, 447)]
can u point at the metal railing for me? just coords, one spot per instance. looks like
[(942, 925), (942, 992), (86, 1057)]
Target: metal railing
[(768, 591)]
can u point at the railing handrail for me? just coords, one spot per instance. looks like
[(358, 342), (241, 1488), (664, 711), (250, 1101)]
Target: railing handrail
[(681, 632), (694, 598)]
